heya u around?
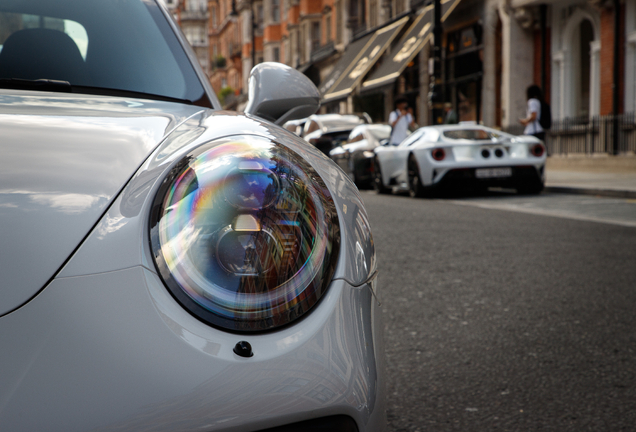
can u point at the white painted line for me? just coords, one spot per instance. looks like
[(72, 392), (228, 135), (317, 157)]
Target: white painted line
[(541, 212)]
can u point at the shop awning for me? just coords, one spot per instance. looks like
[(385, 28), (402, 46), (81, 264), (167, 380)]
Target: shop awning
[(364, 59), (414, 40), (348, 57)]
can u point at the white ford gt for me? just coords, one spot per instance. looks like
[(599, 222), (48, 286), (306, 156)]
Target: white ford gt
[(436, 158), (165, 265)]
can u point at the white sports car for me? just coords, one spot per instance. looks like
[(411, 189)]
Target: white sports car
[(165, 265), (454, 157)]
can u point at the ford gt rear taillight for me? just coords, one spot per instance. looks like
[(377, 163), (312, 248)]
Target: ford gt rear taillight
[(245, 234), (438, 154), (537, 150)]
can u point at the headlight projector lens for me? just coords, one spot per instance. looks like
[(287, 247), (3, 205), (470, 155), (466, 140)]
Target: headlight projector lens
[(245, 234)]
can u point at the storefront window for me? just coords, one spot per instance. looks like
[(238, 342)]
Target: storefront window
[(464, 71)]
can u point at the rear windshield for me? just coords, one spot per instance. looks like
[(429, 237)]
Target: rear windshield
[(123, 45), (468, 134), (380, 132), (340, 121)]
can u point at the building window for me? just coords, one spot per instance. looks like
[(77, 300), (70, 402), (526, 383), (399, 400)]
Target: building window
[(357, 15), (338, 7), (576, 71), (373, 13), (275, 11), (259, 17), (328, 27), (463, 72), (293, 50), (315, 35), (276, 53)]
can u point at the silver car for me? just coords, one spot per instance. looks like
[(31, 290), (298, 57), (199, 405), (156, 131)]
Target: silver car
[(356, 156), (167, 266)]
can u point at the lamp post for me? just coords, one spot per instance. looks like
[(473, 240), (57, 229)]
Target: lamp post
[(435, 95)]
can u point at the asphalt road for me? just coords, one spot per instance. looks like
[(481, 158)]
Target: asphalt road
[(508, 313)]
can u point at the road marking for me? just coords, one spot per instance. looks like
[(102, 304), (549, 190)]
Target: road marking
[(541, 212)]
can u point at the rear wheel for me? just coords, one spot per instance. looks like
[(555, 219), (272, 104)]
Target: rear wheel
[(416, 188), (378, 185)]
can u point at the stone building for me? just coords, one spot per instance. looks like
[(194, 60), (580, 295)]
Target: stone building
[(361, 54), (225, 51), (192, 17)]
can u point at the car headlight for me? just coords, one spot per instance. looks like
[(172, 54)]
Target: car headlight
[(245, 234)]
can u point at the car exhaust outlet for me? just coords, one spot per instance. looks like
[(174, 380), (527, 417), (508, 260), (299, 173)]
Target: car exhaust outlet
[(485, 153)]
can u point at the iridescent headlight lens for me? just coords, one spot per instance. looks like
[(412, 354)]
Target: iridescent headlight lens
[(245, 234)]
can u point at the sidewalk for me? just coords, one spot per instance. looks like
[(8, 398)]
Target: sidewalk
[(613, 176)]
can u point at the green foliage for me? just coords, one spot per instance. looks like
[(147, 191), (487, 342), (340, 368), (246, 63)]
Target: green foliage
[(225, 91), (220, 61)]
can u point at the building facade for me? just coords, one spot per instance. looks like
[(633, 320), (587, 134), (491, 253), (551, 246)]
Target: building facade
[(192, 16), (225, 51), (363, 53)]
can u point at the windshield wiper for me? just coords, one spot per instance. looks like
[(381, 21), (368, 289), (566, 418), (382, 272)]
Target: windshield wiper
[(66, 87), (39, 85), (105, 91)]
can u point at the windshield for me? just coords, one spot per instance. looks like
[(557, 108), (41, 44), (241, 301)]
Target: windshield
[(380, 132), (125, 45), (336, 121), (468, 134)]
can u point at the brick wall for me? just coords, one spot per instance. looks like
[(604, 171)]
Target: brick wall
[(537, 62), (607, 60)]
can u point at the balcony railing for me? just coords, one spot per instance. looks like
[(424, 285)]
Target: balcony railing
[(190, 15), (589, 134)]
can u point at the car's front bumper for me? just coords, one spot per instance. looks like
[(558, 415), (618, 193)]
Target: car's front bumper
[(114, 351)]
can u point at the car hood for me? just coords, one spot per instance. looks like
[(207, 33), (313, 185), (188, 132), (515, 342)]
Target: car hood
[(63, 160)]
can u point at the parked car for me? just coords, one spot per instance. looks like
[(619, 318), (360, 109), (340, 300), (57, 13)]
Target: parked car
[(167, 265), (355, 157), (326, 131), (296, 126), (453, 157)]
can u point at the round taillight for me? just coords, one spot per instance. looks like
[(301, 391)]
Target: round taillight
[(438, 154), (537, 150)]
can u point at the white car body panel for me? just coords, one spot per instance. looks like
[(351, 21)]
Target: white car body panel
[(92, 338), (460, 154), (140, 361), (118, 351), (64, 159)]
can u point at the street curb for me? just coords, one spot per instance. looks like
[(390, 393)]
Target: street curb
[(612, 193)]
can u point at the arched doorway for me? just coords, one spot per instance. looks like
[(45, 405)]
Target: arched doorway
[(578, 65), (582, 67)]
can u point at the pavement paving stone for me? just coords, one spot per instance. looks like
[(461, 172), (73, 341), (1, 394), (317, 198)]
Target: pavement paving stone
[(607, 176)]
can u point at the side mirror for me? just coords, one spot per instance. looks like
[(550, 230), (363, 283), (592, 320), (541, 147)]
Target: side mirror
[(279, 93)]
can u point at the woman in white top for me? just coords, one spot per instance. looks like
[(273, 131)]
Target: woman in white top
[(533, 113)]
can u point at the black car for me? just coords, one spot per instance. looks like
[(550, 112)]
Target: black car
[(326, 131)]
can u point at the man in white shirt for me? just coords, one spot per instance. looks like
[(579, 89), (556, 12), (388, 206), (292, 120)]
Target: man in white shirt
[(400, 120)]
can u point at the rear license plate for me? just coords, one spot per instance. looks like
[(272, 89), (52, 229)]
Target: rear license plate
[(493, 172)]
